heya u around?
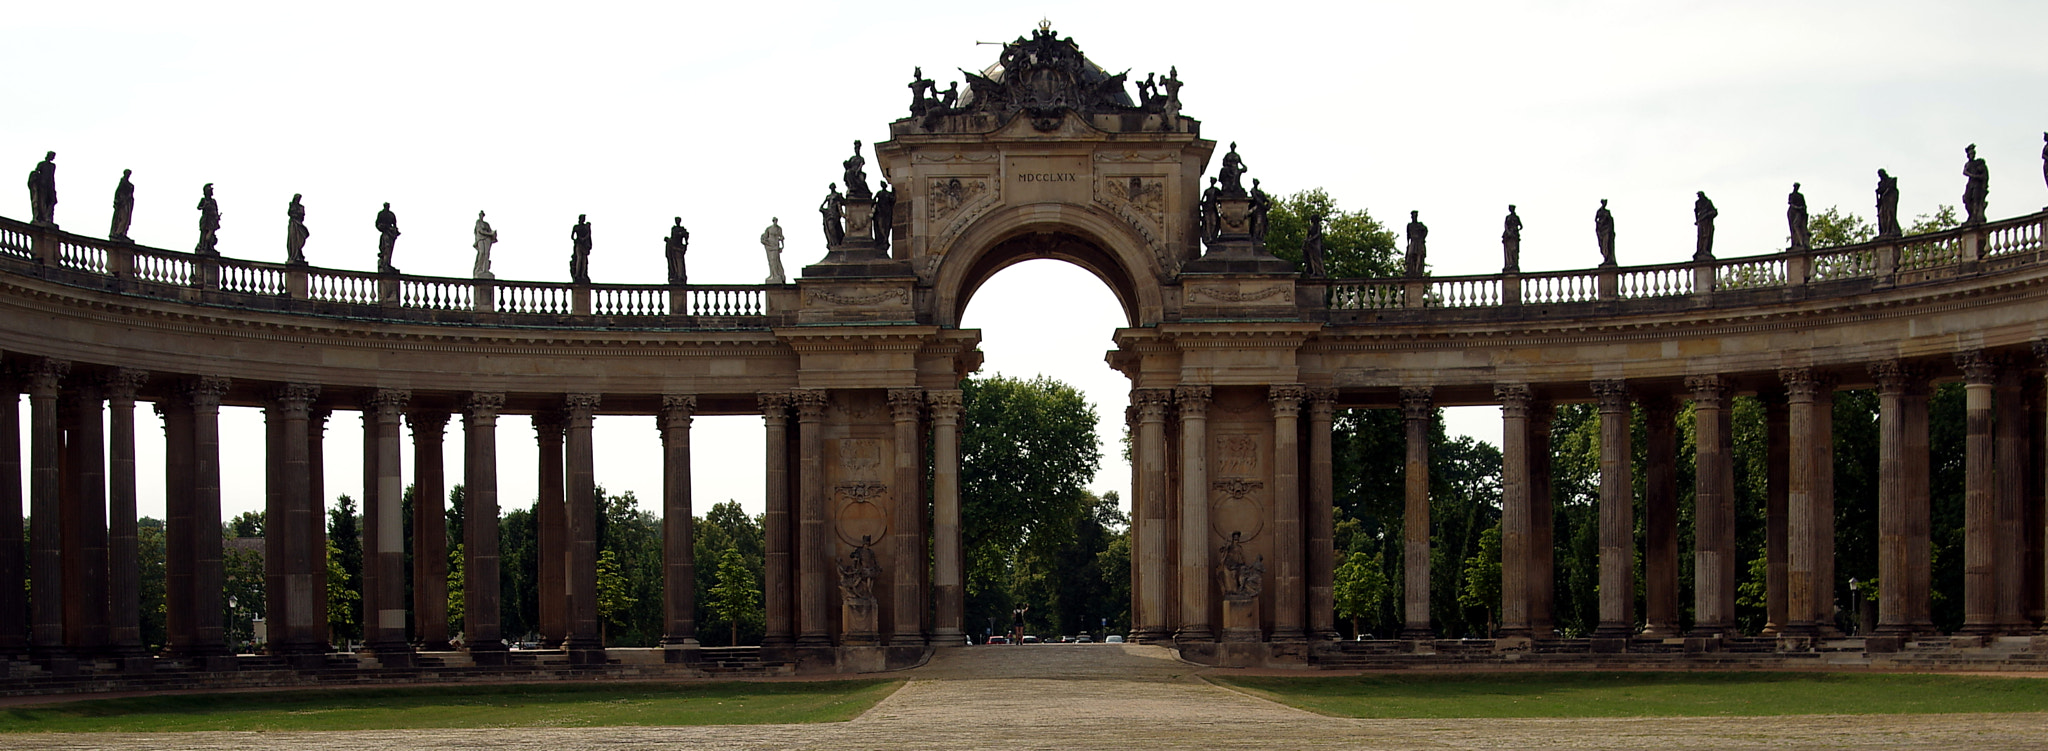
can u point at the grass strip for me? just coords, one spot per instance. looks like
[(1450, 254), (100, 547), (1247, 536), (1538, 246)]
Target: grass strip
[(1694, 694), (567, 705)]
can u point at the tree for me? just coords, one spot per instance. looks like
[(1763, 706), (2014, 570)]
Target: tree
[(1482, 577), (632, 538), (726, 528), (736, 598), (1027, 450), (151, 552), (245, 524), (614, 598), (1354, 243), (1833, 228), (344, 570), (1361, 588)]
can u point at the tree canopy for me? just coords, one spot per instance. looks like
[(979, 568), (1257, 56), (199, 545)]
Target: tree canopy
[(1354, 243)]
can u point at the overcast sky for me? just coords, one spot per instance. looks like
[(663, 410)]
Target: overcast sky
[(728, 114)]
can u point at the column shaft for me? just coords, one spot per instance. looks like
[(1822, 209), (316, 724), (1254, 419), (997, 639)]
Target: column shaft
[(779, 607), (1418, 412), (906, 532), (585, 641), (296, 612), (179, 559), (1617, 513), (1149, 618), (678, 523), (482, 634), (1713, 509), (2010, 436), (1896, 381), (1543, 529), (45, 509), (13, 543), (1825, 593), (1660, 517), (1287, 542), (1515, 529), (813, 554), (1321, 512), (84, 518), (948, 565), (124, 564), (1777, 494), (429, 531), (209, 572), (1802, 504), (553, 530), (384, 602), (1980, 497), (1195, 575)]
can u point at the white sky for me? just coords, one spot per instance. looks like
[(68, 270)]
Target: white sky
[(728, 114)]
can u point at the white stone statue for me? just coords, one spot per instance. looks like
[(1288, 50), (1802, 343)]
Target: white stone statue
[(485, 238), (771, 243)]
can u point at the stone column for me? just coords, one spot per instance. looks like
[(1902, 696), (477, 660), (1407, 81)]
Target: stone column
[(1980, 497), (1809, 519), (1287, 542), (1777, 492), (1713, 509), (1149, 619), (13, 544), (482, 635), (179, 636), (678, 524), (813, 554), (1660, 517), (124, 564), (1824, 590), (906, 532), (2010, 438), (45, 509), (384, 531), (297, 615), (1617, 513), (775, 521), (1195, 572), (1897, 502), (585, 641), (429, 531), (1543, 530), (1417, 411), (948, 563), (553, 530), (209, 573), (84, 518), (1515, 529), (1322, 522)]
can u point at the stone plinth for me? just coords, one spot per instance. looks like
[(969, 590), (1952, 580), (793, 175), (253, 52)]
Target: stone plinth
[(1241, 620)]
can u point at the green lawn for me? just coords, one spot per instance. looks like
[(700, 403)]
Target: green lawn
[(1703, 694), (507, 706)]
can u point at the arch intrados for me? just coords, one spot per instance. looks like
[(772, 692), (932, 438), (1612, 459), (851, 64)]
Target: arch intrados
[(1022, 234)]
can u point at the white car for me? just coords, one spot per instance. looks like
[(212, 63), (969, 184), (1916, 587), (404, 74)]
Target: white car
[(1113, 639)]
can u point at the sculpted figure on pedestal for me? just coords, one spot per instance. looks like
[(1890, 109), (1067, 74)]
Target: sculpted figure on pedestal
[(1242, 580), (1209, 223), (124, 209), (484, 238), (1703, 213), (1312, 252), (1603, 231), (857, 576), (771, 244), (1511, 242), (1255, 216), (835, 233), (1795, 219), (1418, 245), (677, 244), (1232, 173), (1976, 186), (387, 239), (579, 251), (856, 175), (918, 86), (209, 223), (42, 191), (1887, 206), (885, 216), (295, 232)]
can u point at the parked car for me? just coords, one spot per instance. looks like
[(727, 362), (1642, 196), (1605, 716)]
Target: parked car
[(1113, 639), (1029, 639), (999, 640), (1084, 639)]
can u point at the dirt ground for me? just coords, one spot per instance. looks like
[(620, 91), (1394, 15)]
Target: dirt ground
[(1129, 697)]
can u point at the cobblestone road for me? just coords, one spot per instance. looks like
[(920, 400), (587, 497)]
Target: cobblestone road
[(1070, 697)]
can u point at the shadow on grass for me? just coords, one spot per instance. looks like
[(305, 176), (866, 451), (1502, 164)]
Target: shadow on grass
[(496, 706), (1697, 694)]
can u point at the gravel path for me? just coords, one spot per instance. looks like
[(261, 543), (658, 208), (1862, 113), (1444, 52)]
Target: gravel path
[(1071, 697)]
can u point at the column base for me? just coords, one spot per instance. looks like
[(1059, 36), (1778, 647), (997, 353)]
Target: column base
[(949, 638), (682, 655), (491, 655), (906, 640), (1978, 629), (438, 645), (1327, 634), (814, 640), (1195, 634), (1151, 635), (1292, 636), (777, 640), (680, 642), (1418, 633), (1613, 631)]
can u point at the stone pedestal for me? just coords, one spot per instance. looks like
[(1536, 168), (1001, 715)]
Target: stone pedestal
[(860, 622), (1241, 620)]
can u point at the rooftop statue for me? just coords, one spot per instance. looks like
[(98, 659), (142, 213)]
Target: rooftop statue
[(1312, 252), (42, 191), (1603, 231), (579, 250), (387, 239), (856, 175), (1208, 222), (1703, 213), (1044, 77), (1976, 186), (2044, 156), (1795, 219), (1255, 216), (484, 238), (829, 211), (885, 216), (124, 209), (209, 223), (1232, 173), (1511, 242), (1887, 206), (919, 86), (771, 244), (1418, 245), (677, 245), (295, 232)]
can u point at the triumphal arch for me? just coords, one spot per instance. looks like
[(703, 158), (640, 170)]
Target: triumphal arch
[(1237, 362)]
